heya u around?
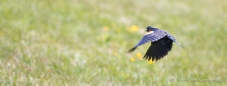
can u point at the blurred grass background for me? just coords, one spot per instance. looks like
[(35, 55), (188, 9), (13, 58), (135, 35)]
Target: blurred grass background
[(85, 42)]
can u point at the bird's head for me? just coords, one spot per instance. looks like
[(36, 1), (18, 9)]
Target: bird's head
[(149, 28)]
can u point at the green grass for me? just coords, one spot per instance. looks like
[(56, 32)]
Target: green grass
[(63, 42)]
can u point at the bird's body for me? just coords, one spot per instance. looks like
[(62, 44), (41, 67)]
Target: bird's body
[(161, 43)]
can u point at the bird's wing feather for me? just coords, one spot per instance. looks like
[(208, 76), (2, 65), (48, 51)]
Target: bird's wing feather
[(155, 36), (172, 38), (159, 49), (152, 36)]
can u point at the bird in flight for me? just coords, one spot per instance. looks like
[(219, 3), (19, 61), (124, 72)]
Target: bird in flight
[(161, 43)]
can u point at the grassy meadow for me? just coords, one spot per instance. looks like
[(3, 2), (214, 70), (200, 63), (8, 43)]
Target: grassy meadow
[(85, 42)]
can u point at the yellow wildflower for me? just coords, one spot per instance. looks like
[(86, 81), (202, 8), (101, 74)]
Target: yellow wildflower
[(133, 28), (150, 62), (132, 59), (105, 28), (139, 55)]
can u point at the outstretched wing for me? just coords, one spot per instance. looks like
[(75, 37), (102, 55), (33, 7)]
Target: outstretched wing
[(152, 36), (155, 36), (159, 49)]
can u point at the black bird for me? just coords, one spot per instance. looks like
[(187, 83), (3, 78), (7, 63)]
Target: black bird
[(161, 43)]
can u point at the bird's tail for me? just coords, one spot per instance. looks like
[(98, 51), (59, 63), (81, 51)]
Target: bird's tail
[(179, 44), (131, 50)]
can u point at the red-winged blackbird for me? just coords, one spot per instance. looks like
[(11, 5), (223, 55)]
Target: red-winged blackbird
[(161, 43)]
